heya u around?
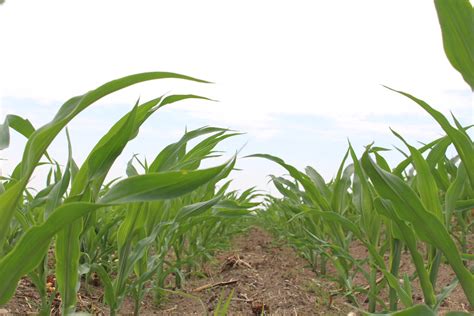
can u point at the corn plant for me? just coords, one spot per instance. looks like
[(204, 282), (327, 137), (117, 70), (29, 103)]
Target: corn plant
[(424, 200), (68, 205), (171, 225), (392, 208)]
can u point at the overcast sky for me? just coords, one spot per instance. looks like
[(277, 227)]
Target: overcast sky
[(298, 77)]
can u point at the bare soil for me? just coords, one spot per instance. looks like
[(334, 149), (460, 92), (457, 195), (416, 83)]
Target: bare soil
[(267, 275), (258, 273)]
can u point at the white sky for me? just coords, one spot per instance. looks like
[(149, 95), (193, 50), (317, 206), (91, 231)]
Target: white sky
[(268, 58)]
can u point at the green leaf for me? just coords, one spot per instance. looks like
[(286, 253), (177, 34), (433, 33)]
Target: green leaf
[(305, 180), (19, 124), (107, 283), (456, 19), (454, 192), (102, 157), (170, 155), (417, 310), (196, 208), (162, 185), (363, 200), (202, 150), (131, 170), (67, 253), (4, 135), (459, 138), (426, 184), (458, 314), (342, 182), (318, 180)]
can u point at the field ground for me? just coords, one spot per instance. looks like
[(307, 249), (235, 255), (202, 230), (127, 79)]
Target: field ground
[(261, 272)]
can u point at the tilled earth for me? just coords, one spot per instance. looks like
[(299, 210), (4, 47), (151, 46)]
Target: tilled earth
[(262, 277)]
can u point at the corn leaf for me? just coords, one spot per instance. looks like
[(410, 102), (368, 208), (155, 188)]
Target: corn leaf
[(426, 184), (459, 138), (305, 181), (417, 310), (456, 21), (427, 226), (168, 157), (162, 185)]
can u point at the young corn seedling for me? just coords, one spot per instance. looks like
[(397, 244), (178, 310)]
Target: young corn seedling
[(65, 218)]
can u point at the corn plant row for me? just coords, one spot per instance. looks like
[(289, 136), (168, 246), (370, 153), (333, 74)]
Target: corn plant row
[(423, 205), (122, 231)]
